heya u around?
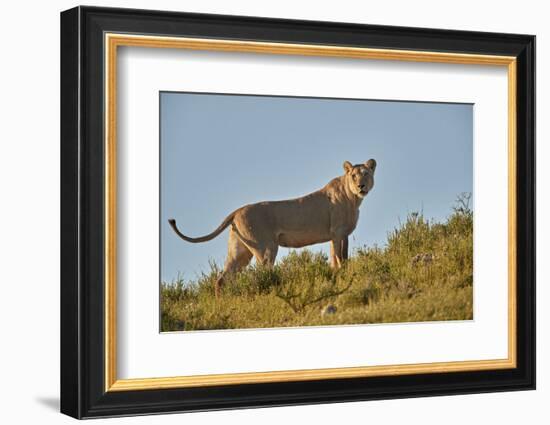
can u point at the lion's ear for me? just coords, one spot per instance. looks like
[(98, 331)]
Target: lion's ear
[(371, 165), (347, 166)]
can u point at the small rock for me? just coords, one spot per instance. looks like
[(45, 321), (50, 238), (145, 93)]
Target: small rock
[(329, 309)]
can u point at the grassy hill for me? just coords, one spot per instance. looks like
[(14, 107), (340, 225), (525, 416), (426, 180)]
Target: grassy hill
[(423, 273)]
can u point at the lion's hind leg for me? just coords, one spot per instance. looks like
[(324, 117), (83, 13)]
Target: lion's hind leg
[(238, 257), (266, 255)]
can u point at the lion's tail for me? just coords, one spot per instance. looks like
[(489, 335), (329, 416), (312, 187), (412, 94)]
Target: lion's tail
[(228, 220)]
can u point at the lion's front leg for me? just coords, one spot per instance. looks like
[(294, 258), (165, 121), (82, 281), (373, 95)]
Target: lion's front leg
[(345, 248), (338, 251), (333, 260)]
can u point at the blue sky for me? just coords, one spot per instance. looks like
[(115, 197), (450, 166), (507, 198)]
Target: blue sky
[(219, 152)]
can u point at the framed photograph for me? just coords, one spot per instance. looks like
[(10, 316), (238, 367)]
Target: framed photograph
[(261, 212)]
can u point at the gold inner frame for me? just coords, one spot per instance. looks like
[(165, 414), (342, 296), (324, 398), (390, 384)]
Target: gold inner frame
[(113, 41)]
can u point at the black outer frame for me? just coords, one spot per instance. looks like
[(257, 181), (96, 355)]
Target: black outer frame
[(82, 203)]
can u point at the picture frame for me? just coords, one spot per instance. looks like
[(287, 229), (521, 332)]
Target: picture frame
[(90, 40)]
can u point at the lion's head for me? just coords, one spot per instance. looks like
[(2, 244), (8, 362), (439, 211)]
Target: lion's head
[(360, 178)]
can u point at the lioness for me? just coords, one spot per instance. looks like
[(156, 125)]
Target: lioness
[(329, 214)]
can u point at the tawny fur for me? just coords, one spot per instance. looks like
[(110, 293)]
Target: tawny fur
[(328, 214)]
